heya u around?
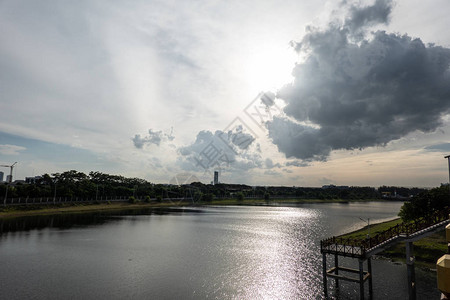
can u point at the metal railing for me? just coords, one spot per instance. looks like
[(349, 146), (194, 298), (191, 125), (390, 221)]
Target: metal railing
[(357, 247)]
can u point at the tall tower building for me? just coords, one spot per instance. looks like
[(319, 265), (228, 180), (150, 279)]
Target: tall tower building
[(1, 176), (216, 177)]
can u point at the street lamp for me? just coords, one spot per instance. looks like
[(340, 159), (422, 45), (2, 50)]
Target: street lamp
[(368, 225), (448, 158), (6, 194), (54, 195)]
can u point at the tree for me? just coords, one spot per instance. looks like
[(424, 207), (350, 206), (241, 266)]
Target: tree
[(425, 204)]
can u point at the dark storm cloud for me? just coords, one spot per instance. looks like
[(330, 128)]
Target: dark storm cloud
[(361, 17), (353, 92)]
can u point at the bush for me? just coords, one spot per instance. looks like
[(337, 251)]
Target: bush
[(147, 199), (132, 200), (159, 198), (198, 196), (266, 196), (240, 196), (208, 197)]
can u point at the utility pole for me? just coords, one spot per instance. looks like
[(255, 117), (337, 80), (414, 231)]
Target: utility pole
[(54, 195), (6, 195), (448, 158), (368, 226)]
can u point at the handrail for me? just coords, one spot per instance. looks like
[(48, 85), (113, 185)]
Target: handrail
[(356, 247)]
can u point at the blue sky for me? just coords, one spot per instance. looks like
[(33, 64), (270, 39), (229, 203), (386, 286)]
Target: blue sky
[(147, 88)]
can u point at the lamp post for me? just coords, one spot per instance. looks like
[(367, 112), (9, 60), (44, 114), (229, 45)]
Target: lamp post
[(368, 225), (6, 194), (448, 158), (54, 195)]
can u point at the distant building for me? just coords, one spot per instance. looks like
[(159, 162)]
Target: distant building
[(332, 186), (1, 176), (32, 180), (216, 177), (329, 186)]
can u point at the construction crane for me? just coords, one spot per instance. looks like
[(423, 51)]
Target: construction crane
[(11, 167)]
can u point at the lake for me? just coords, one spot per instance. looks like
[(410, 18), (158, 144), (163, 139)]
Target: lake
[(220, 252)]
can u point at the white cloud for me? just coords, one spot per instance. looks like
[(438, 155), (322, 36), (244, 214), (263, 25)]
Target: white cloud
[(11, 149)]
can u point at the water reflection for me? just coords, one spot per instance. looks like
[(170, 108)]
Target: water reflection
[(69, 220), (209, 252)]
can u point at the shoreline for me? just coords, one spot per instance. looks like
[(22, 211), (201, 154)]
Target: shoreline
[(52, 209)]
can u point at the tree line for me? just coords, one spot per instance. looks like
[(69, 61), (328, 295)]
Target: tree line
[(97, 184)]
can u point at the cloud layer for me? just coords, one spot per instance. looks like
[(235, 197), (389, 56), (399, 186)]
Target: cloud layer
[(356, 90)]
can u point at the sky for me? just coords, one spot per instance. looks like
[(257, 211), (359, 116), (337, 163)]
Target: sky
[(303, 93)]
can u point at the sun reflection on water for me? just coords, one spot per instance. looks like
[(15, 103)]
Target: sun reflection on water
[(277, 256)]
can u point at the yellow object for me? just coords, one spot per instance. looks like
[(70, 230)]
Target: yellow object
[(443, 274), (447, 233)]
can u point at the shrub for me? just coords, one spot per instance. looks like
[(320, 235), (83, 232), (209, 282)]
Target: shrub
[(240, 196), (147, 199), (208, 197), (132, 200), (198, 196)]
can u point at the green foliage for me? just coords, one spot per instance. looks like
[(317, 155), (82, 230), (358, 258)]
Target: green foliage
[(425, 203), (147, 199), (208, 197), (97, 185), (198, 196), (132, 200), (159, 198), (240, 196)]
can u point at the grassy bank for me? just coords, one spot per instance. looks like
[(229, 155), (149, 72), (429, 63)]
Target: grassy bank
[(427, 250), (19, 211)]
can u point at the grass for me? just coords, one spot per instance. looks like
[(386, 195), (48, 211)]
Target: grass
[(374, 229), (20, 211), (48, 209), (426, 250)]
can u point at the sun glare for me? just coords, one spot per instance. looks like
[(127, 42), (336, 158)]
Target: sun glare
[(270, 67)]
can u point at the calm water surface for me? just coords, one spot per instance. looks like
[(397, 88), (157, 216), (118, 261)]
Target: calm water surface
[(235, 252)]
